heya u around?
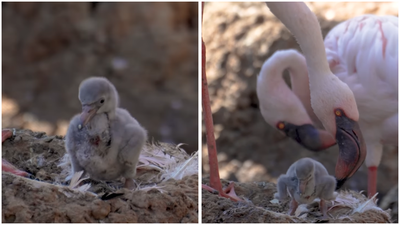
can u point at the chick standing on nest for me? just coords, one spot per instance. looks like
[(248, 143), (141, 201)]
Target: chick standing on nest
[(306, 180), (104, 141)]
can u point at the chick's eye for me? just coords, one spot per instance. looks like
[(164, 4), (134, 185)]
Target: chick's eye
[(102, 101)]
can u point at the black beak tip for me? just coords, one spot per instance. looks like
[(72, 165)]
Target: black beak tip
[(339, 183)]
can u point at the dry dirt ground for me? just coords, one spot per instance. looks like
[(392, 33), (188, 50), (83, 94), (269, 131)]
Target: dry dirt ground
[(149, 51), (47, 198), (239, 37)]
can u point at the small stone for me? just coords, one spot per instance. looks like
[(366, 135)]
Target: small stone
[(274, 201), (100, 209)]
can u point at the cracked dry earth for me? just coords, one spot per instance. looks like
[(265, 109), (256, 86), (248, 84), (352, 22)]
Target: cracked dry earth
[(258, 207), (48, 198)]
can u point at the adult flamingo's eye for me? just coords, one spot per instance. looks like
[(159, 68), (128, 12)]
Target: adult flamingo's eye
[(338, 112)]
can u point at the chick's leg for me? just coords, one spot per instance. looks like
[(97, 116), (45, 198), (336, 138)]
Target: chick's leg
[(129, 183), (282, 194), (326, 185), (324, 208), (75, 166), (71, 148), (293, 207), (281, 186), (129, 155)]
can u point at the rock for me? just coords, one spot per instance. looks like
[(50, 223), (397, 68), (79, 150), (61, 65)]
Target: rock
[(129, 217), (17, 212), (78, 214), (100, 209)]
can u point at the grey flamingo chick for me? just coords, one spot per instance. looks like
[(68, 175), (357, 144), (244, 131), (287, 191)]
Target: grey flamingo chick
[(306, 180), (104, 141)]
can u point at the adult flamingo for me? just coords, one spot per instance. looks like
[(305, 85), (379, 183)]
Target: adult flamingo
[(374, 85), (363, 53), (332, 100)]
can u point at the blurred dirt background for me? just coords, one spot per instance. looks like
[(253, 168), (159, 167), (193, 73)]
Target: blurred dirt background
[(239, 37), (149, 51)]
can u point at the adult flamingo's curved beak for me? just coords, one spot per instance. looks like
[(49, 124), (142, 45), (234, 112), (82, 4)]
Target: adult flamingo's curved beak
[(352, 149), (308, 136)]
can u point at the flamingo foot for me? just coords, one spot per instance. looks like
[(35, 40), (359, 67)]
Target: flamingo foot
[(8, 167), (228, 192), (372, 174), (6, 134), (5, 165), (208, 188)]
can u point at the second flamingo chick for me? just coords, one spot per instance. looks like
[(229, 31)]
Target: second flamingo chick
[(306, 180)]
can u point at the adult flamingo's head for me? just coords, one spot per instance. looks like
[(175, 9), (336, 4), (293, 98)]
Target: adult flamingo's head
[(332, 100), (288, 110), (334, 104)]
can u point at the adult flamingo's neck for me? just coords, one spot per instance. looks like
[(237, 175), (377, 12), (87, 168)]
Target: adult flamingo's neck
[(303, 24), (271, 75)]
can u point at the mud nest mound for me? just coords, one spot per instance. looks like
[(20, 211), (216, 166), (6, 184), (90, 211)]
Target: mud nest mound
[(48, 198), (259, 206)]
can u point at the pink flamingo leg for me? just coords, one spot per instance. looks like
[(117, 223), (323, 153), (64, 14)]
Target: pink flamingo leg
[(372, 174), (5, 134), (5, 165), (215, 181)]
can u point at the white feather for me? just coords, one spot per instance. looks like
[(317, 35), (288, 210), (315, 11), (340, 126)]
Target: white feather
[(180, 170), (75, 181)]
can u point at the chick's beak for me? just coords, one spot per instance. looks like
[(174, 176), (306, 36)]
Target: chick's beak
[(88, 111), (352, 150)]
